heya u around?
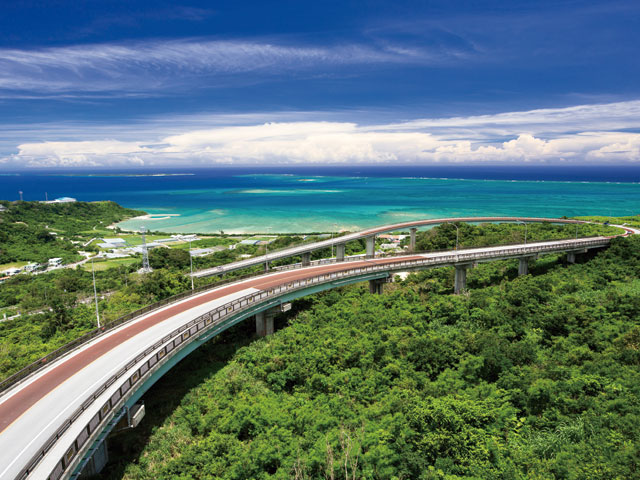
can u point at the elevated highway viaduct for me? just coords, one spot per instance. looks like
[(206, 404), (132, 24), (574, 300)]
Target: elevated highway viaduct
[(369, 235), (56, 414)]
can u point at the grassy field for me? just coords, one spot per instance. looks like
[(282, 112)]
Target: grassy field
[(137, 239), (264, 238), (7, 266), (107, 264), (632, 221)]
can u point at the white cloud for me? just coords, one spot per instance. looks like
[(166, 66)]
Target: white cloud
[(548, 121), (149, 67), (572, 139), (83, 153)]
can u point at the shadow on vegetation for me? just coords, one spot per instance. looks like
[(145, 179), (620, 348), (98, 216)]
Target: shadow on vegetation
[(167, 393)]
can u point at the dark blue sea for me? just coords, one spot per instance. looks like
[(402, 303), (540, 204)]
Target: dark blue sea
[(305, 199)]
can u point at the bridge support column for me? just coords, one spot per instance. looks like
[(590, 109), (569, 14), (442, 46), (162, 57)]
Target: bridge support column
[(261, 327), (377, 286), (264, 322), (306, 259), (340, 252), (371, 247), (460, 281), (412, 239), (268, 324), (523, 266), (266, 266), (571, 257)]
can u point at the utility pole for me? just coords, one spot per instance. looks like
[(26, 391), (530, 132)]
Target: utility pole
[(191, 264), (332, 244), (46, 196), (95, 292), (525, 231), (335, 228), (457, 234), (20, 192), (146, 268)]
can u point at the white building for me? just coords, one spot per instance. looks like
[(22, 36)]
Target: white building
[(116, 255), (201, 252), (115, 241), (392, 238), (10, 272), (185, 238), (55, 262)]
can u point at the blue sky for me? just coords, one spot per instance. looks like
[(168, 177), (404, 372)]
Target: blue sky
[(129, 83)]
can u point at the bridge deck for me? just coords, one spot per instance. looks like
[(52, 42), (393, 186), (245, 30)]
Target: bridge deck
[(309, 247), (35, 409)]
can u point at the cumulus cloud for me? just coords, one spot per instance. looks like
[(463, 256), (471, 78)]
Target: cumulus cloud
[(82, 153), (340, 142)]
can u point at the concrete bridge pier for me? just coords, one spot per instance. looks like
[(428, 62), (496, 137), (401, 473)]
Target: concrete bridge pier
[(264, 319), (523, 266), (306, 259), (460, 281), (266, 266), (412, 239), (371, 247), (571, 257), (340, 252), (264, 322), (377, 286)]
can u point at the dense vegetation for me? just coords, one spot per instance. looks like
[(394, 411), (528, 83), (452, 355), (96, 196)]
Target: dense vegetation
[(529, 377), (34, 231), (61, 301), (62, 308), (469, 236)]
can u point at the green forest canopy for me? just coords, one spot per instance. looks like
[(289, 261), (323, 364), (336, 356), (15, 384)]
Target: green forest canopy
[(35, 231), (532, 377)]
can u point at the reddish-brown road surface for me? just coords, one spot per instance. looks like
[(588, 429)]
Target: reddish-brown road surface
[(13, 406), (33, 410)]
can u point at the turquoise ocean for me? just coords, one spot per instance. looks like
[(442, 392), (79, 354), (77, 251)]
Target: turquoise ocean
[(290, 199)]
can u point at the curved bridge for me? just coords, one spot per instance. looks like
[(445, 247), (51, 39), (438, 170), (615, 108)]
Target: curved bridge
[(369, 235), (53, 420)]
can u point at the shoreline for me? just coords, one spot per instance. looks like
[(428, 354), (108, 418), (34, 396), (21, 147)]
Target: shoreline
[(148, 216)]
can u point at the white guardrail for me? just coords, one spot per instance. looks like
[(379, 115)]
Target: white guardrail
[(138, 369), (298, 249)]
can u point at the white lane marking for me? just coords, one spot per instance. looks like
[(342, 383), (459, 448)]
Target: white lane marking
[(93, 387), (438, 254), (58, 361)]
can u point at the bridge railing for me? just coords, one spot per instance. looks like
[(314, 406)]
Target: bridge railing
[(142, 366), (359, 257), (196, 327), (336, 240), (44, 361), (72, 345)]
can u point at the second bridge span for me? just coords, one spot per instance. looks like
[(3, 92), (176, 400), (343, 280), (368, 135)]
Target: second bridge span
[(369, 235)]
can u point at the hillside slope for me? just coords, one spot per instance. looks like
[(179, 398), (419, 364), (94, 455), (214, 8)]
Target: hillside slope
[(530, 377)]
